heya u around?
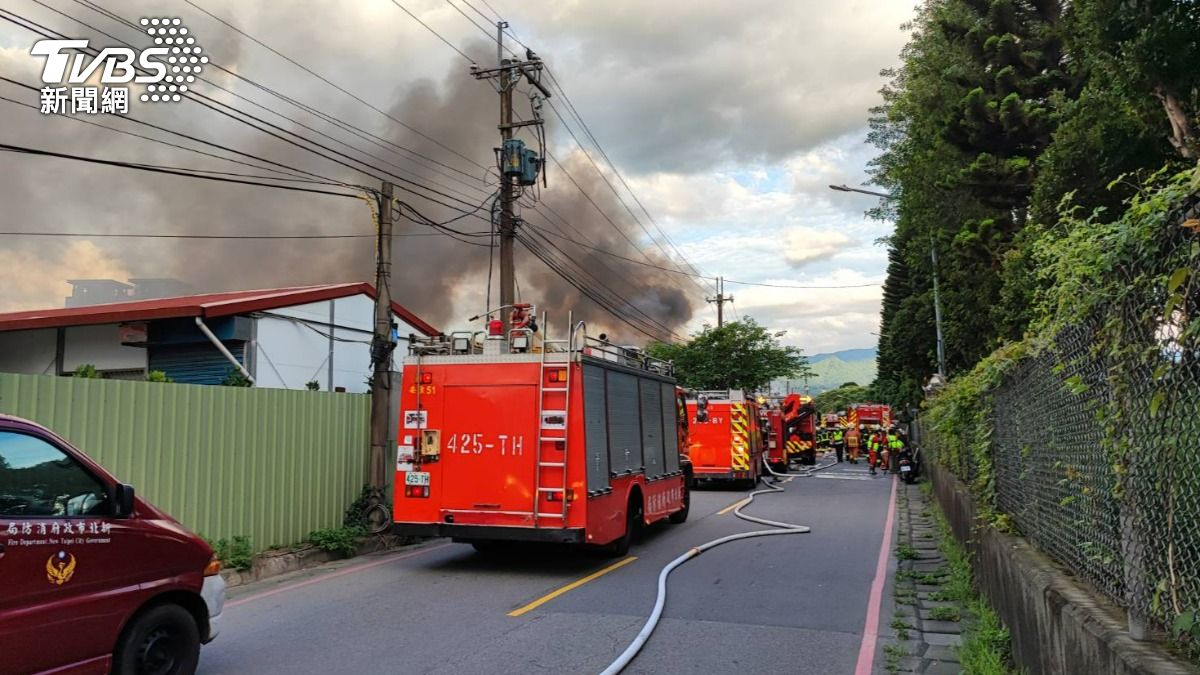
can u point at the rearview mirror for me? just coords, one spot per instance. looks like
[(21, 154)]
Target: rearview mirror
[(122, 500)]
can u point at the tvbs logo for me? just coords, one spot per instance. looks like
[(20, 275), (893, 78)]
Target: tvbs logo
[(167, 68)]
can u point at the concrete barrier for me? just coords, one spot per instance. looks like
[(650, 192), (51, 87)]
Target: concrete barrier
[(1058, 624)]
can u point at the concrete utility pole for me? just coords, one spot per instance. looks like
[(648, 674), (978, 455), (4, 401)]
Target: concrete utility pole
[(381, 343), (937, 312), (508, 73), (721, 299)]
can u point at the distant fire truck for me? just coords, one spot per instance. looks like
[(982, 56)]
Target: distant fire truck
[(726, 441), (772, 424), (869, 414), (800, 428), (512, 437)]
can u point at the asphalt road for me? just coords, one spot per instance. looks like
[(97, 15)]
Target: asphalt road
[(784, 604)]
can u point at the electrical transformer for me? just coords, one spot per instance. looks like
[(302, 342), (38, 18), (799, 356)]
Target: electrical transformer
[(520, 162)]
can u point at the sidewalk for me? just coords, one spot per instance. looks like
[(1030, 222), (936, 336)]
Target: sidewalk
[(927, 627)]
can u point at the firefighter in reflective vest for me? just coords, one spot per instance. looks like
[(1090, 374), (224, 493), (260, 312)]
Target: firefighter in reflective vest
[(875, 446), (894, 444), (853, 439), (839, 445)]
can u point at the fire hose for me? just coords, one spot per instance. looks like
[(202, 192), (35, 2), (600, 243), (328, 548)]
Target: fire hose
[(660, 601)]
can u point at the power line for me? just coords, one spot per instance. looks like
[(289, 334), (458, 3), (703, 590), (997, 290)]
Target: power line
[(339, 87), (195, 94), (176, 145), (151, 235), (172, 170)]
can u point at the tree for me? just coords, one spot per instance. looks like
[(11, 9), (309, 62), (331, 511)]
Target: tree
[(836, 400), (739, 355)]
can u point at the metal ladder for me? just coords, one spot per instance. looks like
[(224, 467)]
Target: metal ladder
[(552, 443)]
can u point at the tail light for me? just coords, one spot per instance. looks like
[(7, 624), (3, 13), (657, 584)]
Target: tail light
[(426, 378), (416, 491), (555, 496), (556, 375), (213, 567)]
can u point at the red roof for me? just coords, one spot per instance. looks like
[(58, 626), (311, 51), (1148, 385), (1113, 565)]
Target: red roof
[(209, 305)]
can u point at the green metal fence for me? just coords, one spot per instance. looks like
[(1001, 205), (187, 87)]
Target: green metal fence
[(270, 464)]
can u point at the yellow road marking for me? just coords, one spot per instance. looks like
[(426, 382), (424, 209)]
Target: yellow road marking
[(727, 509), (571, 586)]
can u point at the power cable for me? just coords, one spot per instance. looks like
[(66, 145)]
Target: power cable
[(339, 87), (149, 235), (172, 170)]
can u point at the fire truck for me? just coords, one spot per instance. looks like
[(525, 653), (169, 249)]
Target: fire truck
[(800, 428), (726, 441), (772, 425), (869, 414), (509, 436)]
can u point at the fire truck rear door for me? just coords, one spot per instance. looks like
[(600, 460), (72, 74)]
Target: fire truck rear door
[(489, 441)]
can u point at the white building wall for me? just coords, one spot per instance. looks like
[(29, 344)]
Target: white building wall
[(292, 344), (101, 347), (28, 351)]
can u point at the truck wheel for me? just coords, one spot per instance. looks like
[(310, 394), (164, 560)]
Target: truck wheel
[(633, 520), (163, 640), (681, 515)]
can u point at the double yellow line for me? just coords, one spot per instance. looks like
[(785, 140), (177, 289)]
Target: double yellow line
[(571, 586)]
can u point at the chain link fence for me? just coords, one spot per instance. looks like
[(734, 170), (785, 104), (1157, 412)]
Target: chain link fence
[(1095, 438)]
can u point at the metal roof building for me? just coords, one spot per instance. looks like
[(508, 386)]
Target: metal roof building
[(283, 338)]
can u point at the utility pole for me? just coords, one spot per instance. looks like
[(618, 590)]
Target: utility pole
[(937, 312), (381, 343), (508, 73), (721, 299)]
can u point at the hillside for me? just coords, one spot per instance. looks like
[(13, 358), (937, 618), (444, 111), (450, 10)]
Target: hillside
[(833, 370)]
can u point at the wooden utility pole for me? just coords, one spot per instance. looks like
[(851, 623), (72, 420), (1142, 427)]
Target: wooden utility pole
[(508, 73), (381, 343), (508, 230), (721, 299)]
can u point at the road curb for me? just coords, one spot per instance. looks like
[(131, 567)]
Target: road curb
[(274, 563)]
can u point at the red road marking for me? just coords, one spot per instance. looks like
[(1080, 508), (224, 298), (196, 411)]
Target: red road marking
[(332, 575), (866, 652)]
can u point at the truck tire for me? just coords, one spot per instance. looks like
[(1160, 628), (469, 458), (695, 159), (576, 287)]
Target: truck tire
[(633, 521), (163, 640), (681, 515)]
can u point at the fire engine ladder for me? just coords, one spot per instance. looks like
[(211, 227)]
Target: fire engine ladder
[(550, 482)]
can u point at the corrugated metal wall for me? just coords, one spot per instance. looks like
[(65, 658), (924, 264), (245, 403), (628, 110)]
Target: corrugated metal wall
[(270, 464)]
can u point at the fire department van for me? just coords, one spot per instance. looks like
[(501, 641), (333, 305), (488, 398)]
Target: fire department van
[(726, 439), (512, 437), (92, 578)]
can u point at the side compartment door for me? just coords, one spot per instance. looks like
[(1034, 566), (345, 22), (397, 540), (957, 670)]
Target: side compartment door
[(595, 423), (652, 427), (624, 424)]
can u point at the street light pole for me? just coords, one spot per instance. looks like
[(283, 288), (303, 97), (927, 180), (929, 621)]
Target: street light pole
[(937, 298)]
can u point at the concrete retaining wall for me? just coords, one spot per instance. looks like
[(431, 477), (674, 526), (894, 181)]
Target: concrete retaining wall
[(1058, 625)]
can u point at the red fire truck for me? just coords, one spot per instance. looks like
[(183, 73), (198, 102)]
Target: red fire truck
[(512, 437), (800, 428), (772, 424), (725, 436), (869, 414)]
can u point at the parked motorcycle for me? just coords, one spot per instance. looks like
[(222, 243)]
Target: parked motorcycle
[(909, 467)]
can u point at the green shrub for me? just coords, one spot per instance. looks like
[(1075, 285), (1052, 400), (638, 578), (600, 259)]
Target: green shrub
[(157, 376), (88, 372), (343, 540), (234, 554)]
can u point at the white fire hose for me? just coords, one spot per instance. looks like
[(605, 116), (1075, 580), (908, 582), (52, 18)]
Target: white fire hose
[(634, 647)]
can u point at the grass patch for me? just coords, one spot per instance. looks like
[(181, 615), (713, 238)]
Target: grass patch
[(945, 614), (925, 578), (906, 552), (985, 648), (892, 654)]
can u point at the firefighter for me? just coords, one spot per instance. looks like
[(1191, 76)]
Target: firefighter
[(853, 439), (839, 445), (875, 446), (894, 445)]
